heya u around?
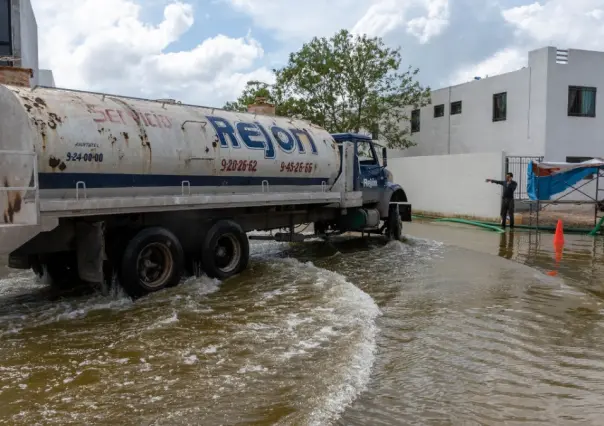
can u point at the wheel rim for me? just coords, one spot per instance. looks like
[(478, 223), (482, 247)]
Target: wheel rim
[(227, 253), (154, 265)]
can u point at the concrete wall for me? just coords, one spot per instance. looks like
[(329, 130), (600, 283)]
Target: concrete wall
[(452, 185), (537, 121), (538, 97), (29, 40), (25, 36), (523, 132), (574, 136), (474, 131), (46, 78)]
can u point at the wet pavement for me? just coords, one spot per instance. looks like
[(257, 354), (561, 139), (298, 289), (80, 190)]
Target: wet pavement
[(453, 325)]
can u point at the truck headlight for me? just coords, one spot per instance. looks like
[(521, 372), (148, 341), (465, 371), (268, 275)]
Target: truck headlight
[(389, 176)]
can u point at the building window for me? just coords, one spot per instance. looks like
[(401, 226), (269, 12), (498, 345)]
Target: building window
[(5, 22), (415, 121), (5, 30), (456, 107), (576, 160), (500, 106), (581, 101), (439, 110)]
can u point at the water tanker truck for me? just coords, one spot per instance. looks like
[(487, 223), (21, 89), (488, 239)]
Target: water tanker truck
[(95, 186)]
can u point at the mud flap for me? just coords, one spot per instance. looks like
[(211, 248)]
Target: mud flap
[(404, 210), (90, 242)]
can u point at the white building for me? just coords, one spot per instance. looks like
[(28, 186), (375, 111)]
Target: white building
[(46, 78), (549, 109), (19, 39)]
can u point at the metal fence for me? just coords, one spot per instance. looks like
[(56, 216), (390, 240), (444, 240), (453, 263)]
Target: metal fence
[(519, 167)]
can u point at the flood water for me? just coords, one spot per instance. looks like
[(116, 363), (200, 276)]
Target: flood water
[(453, 325)]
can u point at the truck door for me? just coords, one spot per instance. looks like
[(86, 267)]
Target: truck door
[(372, 179)]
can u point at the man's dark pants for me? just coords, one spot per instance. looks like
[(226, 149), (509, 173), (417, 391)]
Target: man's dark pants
[(507, 208)]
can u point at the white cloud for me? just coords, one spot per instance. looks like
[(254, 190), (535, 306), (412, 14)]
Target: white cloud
[(104, 45), (434, 23), (107, 46), (381, 18), (575, 24), (301, 20), (503, 61)]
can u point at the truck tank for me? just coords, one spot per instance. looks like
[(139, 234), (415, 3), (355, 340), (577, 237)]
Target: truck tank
[(110, 146)]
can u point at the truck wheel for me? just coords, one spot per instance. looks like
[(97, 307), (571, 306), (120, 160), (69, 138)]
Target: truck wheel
[(226, 250), (320, 228), (62, 270), (394, 228), (152, 261)]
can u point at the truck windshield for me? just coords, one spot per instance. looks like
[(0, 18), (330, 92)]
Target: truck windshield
[(367, 154)]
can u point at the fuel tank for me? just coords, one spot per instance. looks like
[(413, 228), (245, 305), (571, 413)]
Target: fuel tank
[(108, 146)]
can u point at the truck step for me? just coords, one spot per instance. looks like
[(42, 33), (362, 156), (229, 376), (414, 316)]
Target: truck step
[(280, 237)]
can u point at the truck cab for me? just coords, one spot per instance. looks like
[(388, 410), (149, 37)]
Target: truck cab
[(373, 179)]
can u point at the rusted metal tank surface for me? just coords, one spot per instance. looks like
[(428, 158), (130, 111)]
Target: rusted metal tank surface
[(106, 146), (17, 139)]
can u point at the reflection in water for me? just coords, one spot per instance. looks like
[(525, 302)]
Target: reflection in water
[(506, 245), (580, 261), (355, 331), (505, 343)]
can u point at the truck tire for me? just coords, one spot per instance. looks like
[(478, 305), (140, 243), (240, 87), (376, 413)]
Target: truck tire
[(152, 261), (225, 250), (394, 228), (62, 270)]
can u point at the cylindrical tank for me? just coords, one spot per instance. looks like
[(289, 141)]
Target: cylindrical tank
[(118, 146)]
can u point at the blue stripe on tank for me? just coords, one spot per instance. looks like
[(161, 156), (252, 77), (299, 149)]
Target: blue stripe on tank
[(59, 180)]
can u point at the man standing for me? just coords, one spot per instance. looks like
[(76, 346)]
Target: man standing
[(507, 198)]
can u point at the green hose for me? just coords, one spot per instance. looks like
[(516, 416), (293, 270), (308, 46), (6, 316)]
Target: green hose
[(540, 227), (552, 228), (472, 222), (596, 229)]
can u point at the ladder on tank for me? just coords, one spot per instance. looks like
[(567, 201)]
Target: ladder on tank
[(19, 211)]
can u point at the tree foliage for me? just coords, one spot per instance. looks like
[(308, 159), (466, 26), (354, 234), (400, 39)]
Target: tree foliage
[(252, 90), (346, 84)]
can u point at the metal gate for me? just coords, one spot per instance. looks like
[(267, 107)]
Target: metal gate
[(519, 167)]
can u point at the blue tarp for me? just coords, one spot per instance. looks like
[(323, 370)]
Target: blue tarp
[(544, 187)]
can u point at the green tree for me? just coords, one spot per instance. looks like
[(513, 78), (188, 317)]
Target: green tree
[(349, 83), (286, 107), (252, 90)]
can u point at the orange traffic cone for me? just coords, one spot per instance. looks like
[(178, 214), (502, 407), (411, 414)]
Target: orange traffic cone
[(558, 247), (558, 254), (559, 235)]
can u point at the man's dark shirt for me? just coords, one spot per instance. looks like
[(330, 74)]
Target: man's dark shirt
[(508, 188)]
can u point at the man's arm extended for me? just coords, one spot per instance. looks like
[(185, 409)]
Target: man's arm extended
[(498, 182)]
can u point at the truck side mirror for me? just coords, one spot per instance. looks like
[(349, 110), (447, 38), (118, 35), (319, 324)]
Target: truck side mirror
[(385, 156)]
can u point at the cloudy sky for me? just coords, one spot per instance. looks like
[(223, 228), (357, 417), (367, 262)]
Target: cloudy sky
[(203, 51)]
